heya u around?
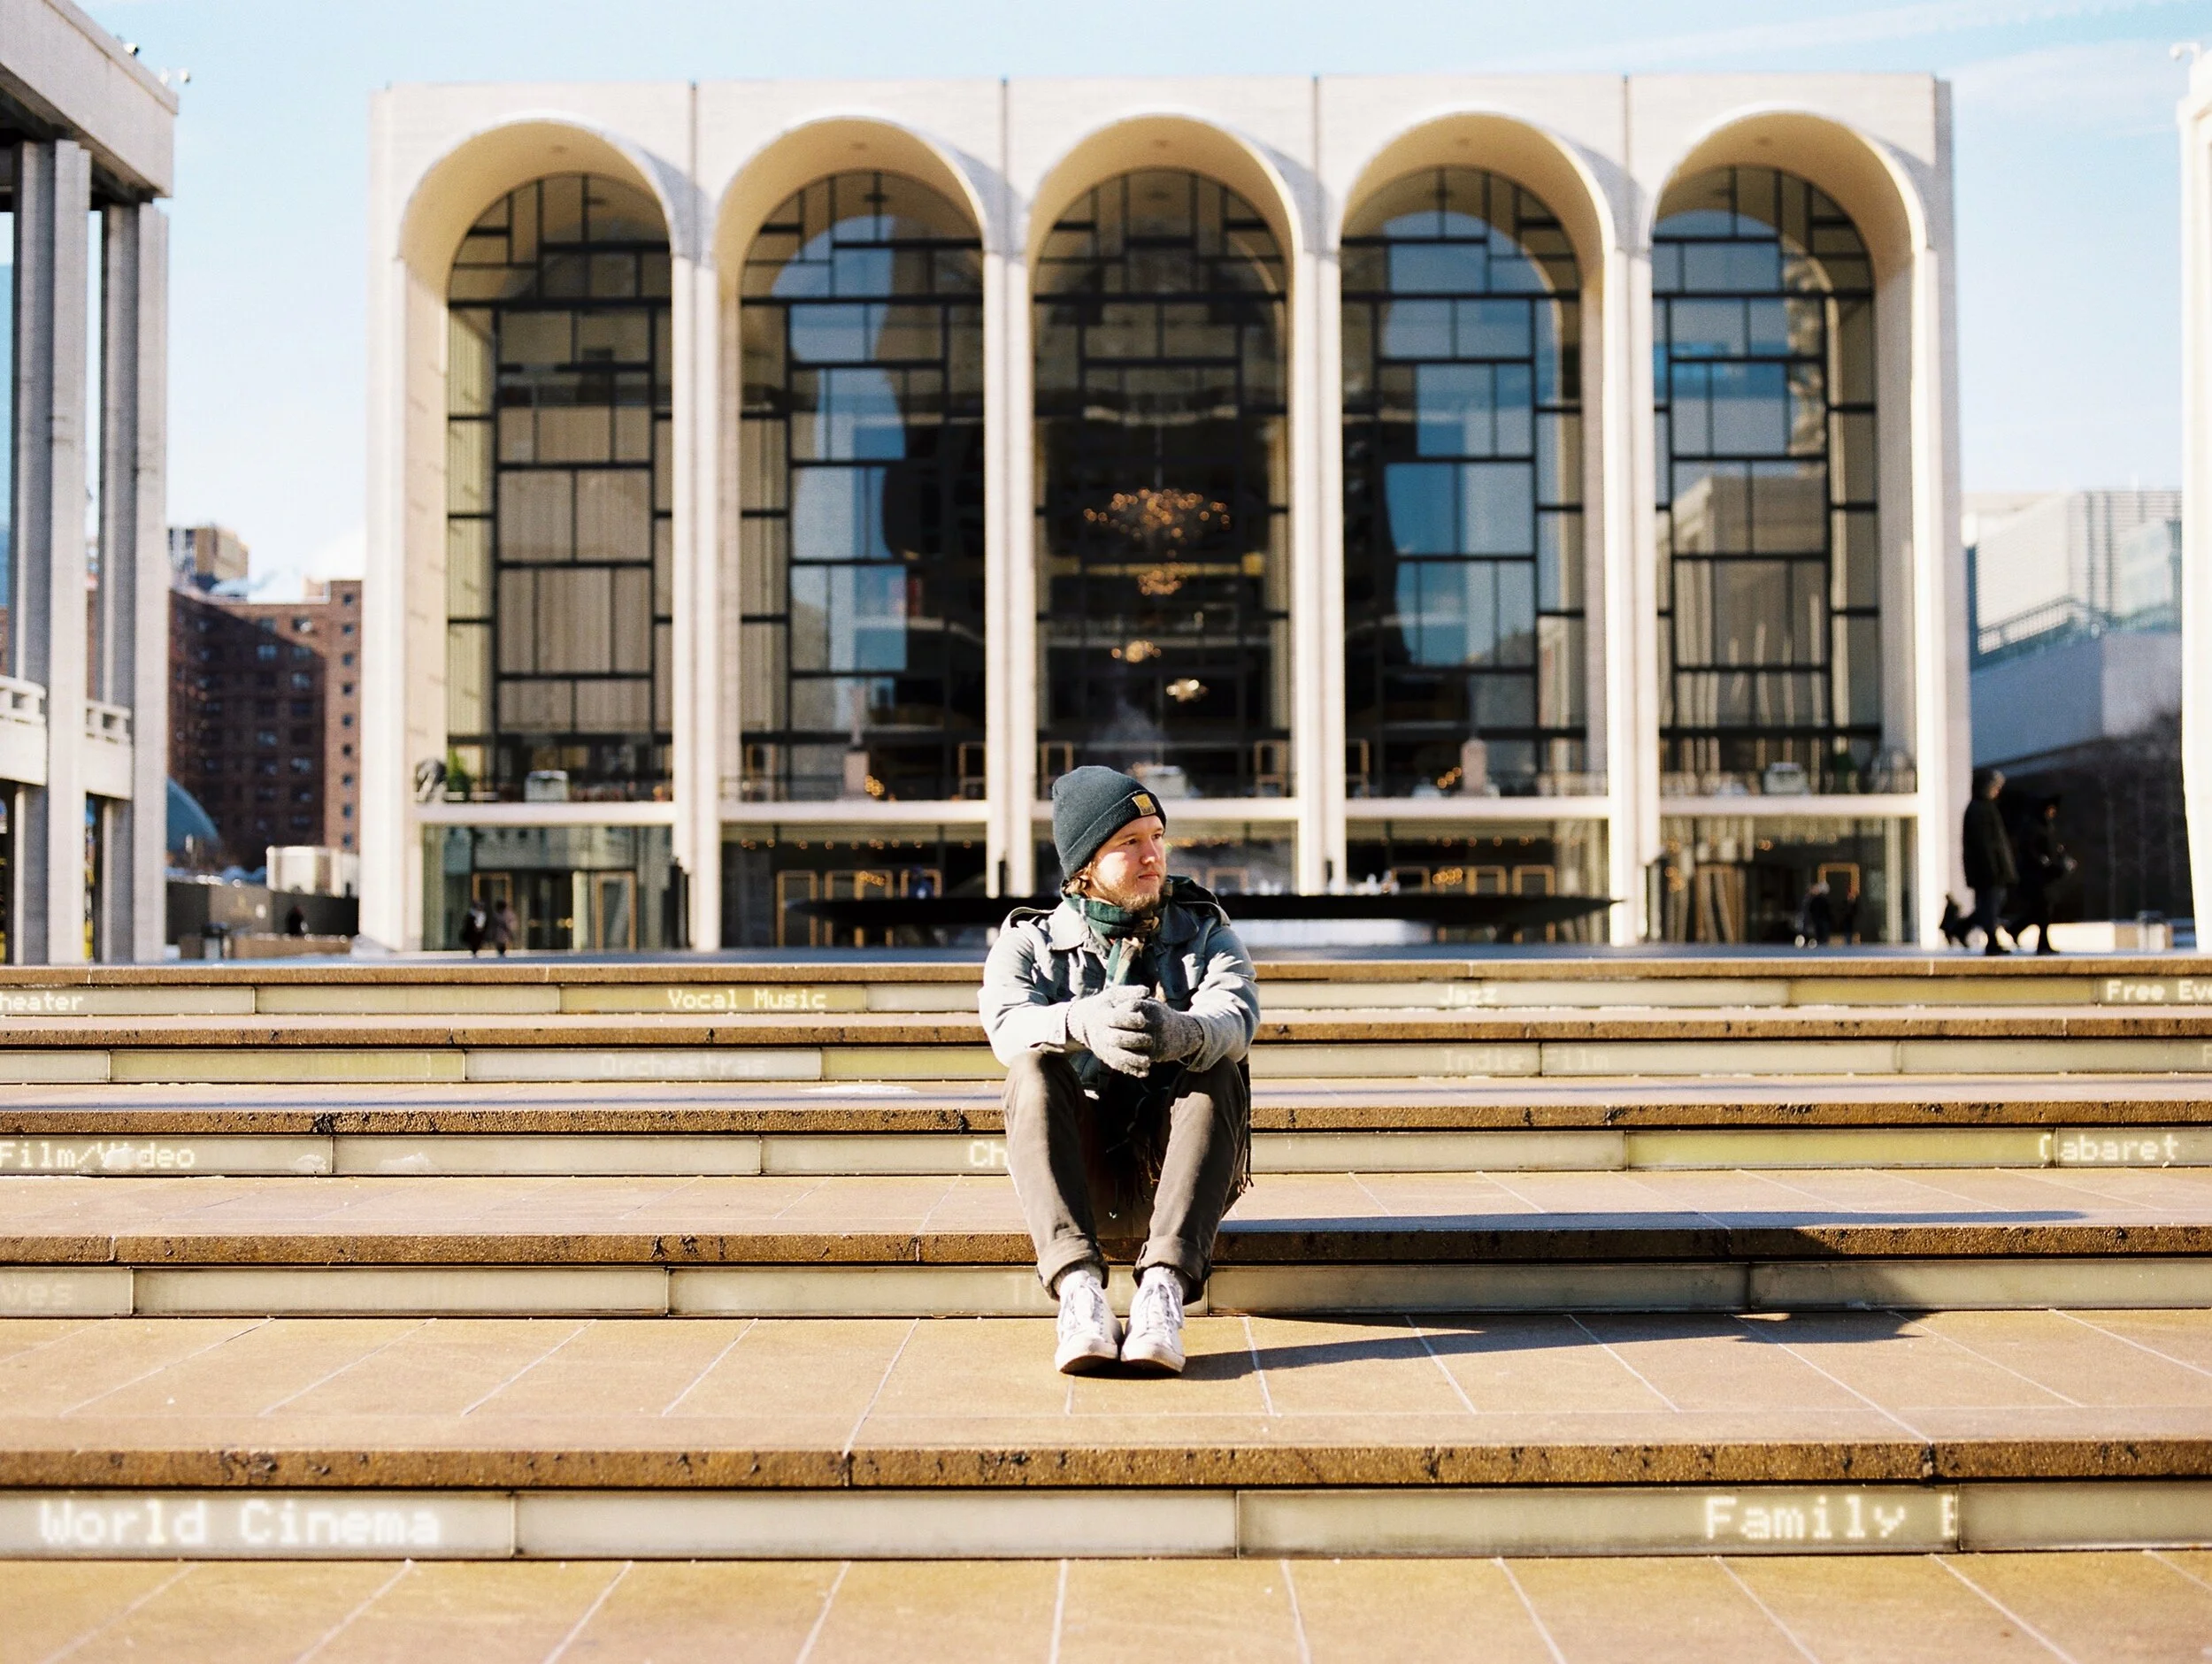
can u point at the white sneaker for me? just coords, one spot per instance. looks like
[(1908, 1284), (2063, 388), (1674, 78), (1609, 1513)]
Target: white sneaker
[(1155, 1325), (1090, 1337)]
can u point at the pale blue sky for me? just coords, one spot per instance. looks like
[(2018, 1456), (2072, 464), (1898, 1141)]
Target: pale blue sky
[(2067, 160)]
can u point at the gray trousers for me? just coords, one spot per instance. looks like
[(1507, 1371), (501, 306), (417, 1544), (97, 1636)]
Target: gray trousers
[(1052, 1151)]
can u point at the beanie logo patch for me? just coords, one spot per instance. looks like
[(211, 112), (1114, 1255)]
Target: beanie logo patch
[(1141, 801)]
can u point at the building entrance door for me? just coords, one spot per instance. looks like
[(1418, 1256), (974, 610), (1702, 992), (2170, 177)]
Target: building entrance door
[(543, 901), (613, 911)]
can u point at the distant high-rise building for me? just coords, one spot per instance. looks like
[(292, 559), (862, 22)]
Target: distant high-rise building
[(264, 714), (2077, 682), (200, 556), (2055, 561)]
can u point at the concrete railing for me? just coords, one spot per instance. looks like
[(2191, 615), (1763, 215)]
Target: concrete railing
[(22, 731), (107, 752)]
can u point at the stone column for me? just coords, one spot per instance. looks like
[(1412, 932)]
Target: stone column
[(699, 444), (695, 841), (1317, 550), (53, 196), (1005, 741), (1630, 567), (1014, 779), (132, 618), (2196, 466)]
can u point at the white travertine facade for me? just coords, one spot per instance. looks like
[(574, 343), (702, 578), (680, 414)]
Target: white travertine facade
[(1602, 152), (84, 674)]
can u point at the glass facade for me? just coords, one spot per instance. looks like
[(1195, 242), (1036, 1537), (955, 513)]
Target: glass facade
[(1162, 470), (1769, 561), (767, 872), (1741, 878), (558, 547), (7, 445), (1252, 859), (1564, 857), (845, 524), (584, 888), (1465, 658), (860, 565)]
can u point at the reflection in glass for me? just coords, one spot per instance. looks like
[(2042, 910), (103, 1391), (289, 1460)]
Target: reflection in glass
[(1816, 879), (1463, 492), (1162, 468), (860, 561), (558, 525), (1764, 382), (582, 889), (1564, 857), (770, 873)]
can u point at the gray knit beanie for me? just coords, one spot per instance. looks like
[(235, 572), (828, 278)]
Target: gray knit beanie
[(1091, 804)]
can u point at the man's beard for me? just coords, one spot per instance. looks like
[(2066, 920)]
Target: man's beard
[(1136, 904)]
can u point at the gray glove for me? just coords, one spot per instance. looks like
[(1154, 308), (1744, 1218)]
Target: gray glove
[(1175, 1035), (1111, 1026)]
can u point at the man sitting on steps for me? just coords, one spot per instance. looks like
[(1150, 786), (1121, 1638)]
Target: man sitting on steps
[(1123, 1017)]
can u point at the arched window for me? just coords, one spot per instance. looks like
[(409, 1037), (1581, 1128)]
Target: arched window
[(1162, 486), (860, 555), (557, 529), (1464, 656), (1770, 563)]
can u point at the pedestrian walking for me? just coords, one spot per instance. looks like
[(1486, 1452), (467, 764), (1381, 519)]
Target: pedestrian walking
[(1986, 851), (500, 930), (473, 923), (2044, 866), (1816, 916)]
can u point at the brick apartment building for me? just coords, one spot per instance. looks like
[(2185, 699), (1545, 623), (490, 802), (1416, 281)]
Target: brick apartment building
[(264, 712)]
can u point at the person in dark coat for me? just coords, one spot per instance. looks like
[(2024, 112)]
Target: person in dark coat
[(1816, 916), (1986, 851), (474, 924), (2044, 865)]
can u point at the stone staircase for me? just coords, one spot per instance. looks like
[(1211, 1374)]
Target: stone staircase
[(423, 1259)]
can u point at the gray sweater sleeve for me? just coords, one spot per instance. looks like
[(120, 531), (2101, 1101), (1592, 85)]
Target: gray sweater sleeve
[(1227, 1003), (1016, 1000)]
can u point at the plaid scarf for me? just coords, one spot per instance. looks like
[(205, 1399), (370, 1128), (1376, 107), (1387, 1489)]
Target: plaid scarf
[(1128, 936)]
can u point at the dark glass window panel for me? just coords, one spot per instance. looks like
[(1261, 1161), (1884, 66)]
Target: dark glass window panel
[(860, 579), (1162, 462), (563, 551), (1464, 547), (1764, 376)]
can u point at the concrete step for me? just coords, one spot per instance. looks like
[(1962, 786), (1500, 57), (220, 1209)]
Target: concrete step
[(2136, 1605), (1729, 1241), (1399, 1434), (631, 1128), (706, 988), (1368, 1048)]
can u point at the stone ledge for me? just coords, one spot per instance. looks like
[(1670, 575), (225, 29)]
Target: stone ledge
[(1597, 966), (1818, 1517), (2144, 1283), (586, 1031), (379, 1109), (1554, 1240)]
